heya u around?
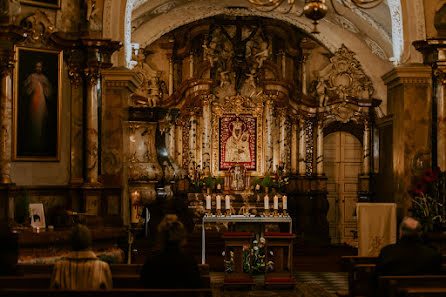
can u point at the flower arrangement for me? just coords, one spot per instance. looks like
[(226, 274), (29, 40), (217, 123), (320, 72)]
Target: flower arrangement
[(280, 178), (196, 176), (428, 199), (267, 180)]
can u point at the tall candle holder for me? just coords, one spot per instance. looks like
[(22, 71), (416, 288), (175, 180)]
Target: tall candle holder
[(275, 213), (284, 213), (266, 213)]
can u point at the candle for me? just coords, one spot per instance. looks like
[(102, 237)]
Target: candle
[(257, 187), (135, 208), (208, 202), (284, 202), (266, 200), (37, 229), (227, 202), (218, 198), (218, 186), (276, 202)]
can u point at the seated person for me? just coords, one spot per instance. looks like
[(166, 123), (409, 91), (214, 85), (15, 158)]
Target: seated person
[(81, 269), (410, 255), (171, 268)]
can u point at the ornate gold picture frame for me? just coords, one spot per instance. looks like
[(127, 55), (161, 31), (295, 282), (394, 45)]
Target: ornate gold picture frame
[(37, 104), (43, 3)]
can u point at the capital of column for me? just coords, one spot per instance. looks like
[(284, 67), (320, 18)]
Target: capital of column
[(92, 73)]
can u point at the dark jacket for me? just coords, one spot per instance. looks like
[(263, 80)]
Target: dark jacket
[(409, 256), (170, 269)]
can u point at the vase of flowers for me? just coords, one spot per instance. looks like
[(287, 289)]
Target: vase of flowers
[(428, 199), (280, 178), (196, 178), (267, 182)]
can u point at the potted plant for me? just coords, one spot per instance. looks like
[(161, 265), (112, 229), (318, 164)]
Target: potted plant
[(208, 183)]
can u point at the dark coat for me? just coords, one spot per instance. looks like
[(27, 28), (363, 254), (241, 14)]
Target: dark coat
[(170, 269), (408, 256)]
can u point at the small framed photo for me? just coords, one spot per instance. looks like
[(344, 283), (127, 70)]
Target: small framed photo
[(43, 3), (37, 104), (37, 215)]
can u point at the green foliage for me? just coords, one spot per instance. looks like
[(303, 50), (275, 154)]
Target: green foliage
[(208, 181), (267, 180), (219, 180)]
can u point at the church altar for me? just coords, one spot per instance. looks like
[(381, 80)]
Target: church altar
[(238, 219)]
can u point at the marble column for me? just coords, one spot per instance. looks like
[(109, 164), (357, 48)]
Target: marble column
[(320, 148), (284, 139), (192, 141), (207, 134), (283, 57), (304, 73), (269, 145), (276, 140), (92, 133), (76, 156), (179, 145), (302, 148), (294, 147), (366, 149), (6, 66), (441, 120)]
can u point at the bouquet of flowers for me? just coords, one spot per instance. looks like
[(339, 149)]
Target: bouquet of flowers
[(196, 177), (280, 178), (428, 201)]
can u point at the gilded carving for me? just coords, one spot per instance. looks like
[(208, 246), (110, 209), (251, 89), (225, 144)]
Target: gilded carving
[(343, 77), (38, 25)]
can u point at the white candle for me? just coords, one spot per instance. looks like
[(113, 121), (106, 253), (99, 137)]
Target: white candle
[(218, 198), (284, 202), (218, 186), (266, 200), (257, 187), (227, 202), (208, 202), (276, 202)]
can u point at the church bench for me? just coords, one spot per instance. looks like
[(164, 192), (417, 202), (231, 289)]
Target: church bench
[(43, 281), (207, 292), (121, 269), (360, 278), (391, 284), (422, 292)]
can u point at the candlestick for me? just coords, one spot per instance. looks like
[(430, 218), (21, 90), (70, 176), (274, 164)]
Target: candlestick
[(266, 201), (276, 202), (284, 202), (218, 200)]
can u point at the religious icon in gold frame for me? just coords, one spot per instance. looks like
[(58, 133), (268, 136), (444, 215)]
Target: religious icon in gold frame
[(37, 104)]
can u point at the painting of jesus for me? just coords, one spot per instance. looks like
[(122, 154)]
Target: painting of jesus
[(238, 141)]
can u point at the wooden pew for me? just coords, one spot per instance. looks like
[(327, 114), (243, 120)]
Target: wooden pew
[(124, 276), (389, 285), (422, 292), (360, 278), (109, 293)]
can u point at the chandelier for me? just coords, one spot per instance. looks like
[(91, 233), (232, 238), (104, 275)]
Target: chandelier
[(313, 9)]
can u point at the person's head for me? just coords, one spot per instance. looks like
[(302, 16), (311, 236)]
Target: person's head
[(410, 227), (171, 231), (80, 238), (39, 67)]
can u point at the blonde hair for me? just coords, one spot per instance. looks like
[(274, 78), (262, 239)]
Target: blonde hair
[(171, 231)]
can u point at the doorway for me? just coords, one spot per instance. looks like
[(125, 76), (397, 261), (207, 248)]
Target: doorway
[(342, 165)]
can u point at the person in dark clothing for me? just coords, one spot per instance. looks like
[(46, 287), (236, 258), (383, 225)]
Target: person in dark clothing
[(410, 255), (171, 268)]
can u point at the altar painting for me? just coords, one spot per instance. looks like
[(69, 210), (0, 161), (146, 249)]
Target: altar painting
[(237, 141)]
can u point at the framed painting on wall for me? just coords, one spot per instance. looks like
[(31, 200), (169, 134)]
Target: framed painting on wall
[(43, 3), (37, 104)]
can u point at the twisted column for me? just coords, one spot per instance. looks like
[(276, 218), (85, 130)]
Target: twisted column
[(320, 149), (6, 66), (302, 148)]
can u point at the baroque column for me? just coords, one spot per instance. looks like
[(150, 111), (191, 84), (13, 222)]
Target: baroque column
[(320, 148), (294, 147), (366, 149), (192, 141), (302, 148), (269, 144), (92, 133), (284, 139), (207, 133), (179, 144), (75, 70), (6, 66)]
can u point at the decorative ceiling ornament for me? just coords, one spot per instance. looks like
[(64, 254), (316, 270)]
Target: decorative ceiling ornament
[(313, 9)]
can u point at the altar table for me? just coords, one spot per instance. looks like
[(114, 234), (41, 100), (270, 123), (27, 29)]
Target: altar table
[(238, 219)]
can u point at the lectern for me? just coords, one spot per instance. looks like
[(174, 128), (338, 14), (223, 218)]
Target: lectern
[(237, 259), (281, 246)]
